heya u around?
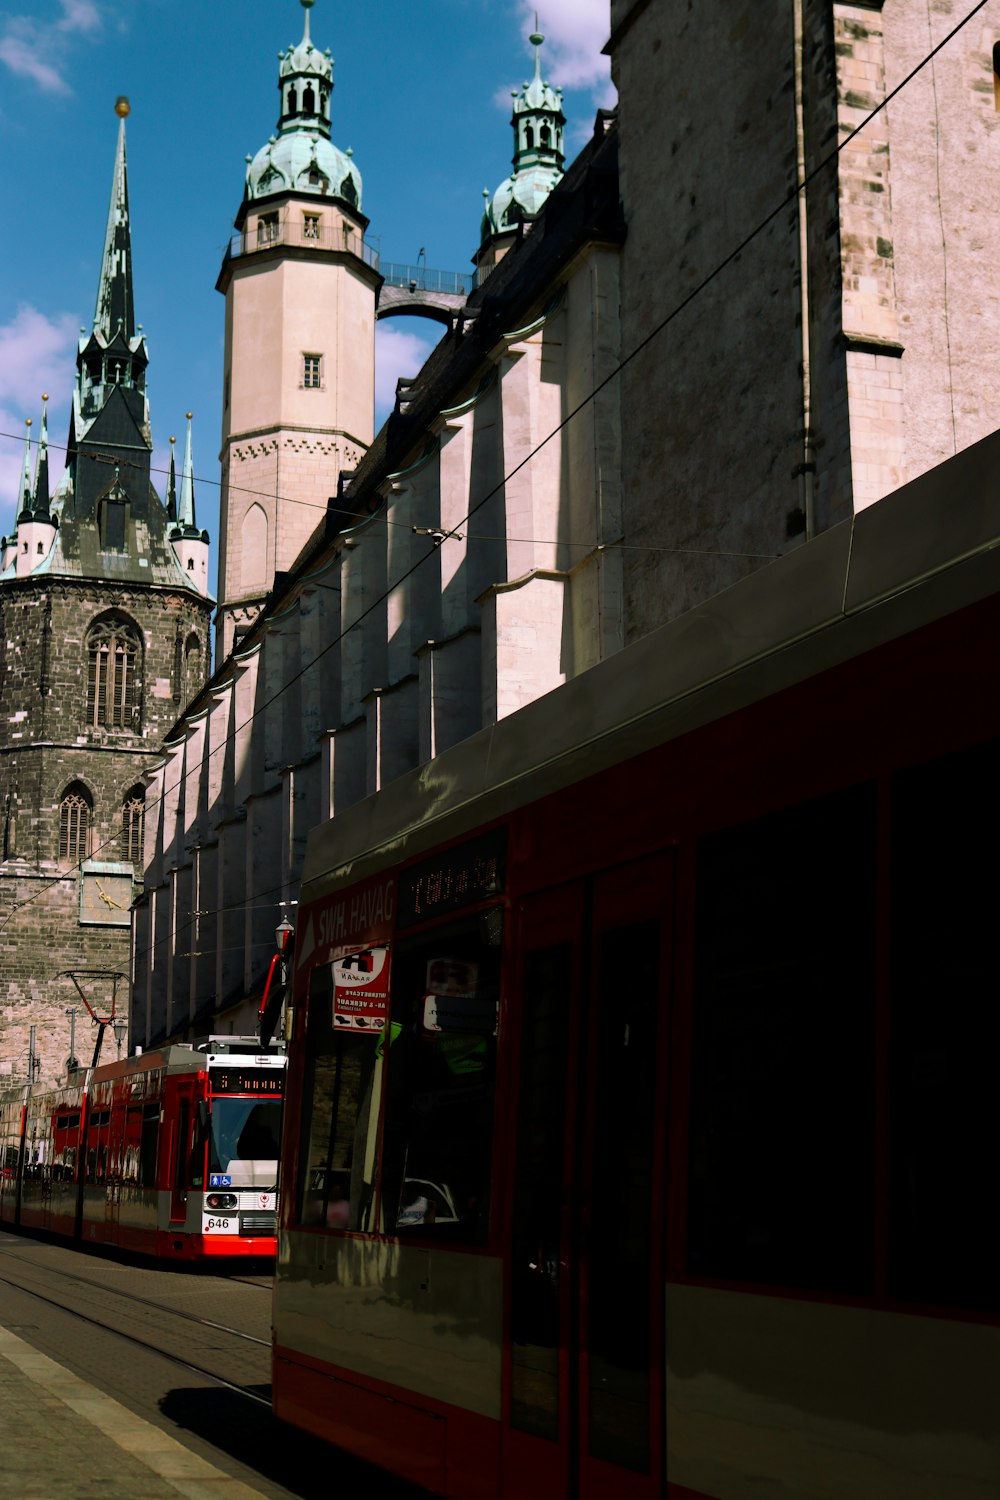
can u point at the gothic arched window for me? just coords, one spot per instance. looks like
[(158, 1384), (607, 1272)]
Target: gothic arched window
[(545, 135), (293, 101), (529, 137), (308, 100), (114, 668), (253, 571), (192, 667), (75, 816), (133, 808)]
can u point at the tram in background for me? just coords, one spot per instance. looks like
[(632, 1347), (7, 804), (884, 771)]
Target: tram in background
[(642, 1104), (171, 1153)]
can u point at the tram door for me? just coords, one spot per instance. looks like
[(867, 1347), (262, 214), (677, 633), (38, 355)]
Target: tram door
[(179, 1152), (584, 1353)]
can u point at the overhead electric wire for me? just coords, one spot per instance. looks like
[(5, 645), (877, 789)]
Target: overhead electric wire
[(582, 405), (357, 516)]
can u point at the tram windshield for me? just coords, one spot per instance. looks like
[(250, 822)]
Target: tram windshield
[(245, 1141)]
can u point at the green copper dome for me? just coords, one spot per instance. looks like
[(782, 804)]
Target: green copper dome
[(538, 122), (302, 158)]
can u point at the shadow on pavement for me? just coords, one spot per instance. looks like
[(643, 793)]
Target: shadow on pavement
[(297, 1462)]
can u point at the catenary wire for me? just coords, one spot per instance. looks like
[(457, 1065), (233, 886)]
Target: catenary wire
[(358, 516), (582, 405)]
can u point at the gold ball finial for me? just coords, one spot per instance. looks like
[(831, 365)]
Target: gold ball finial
[(173, 439), (189, 415), (45, 395), (27, 421), (122, 107)]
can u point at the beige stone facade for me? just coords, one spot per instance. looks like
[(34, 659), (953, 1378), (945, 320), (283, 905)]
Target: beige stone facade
[(299, 388), (787, 358), (484, 569), (751, 435)]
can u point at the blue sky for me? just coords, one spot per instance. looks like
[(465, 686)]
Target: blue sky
[(422, 94)]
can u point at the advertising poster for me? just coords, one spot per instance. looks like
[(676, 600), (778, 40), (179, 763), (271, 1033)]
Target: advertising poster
[(361, 990)]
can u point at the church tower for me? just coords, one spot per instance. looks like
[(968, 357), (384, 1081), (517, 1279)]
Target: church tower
[(104, 637), (299, 383), (539, 163)]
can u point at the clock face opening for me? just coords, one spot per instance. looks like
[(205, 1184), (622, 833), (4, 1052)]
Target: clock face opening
[(106, 896)]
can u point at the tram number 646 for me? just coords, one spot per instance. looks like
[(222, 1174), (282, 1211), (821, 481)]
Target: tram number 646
[(216, 1223)]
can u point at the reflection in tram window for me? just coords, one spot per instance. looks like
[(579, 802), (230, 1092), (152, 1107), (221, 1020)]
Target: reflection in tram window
[(782, 1065), (245, 1141), (442, 1067), (147, 1144), (341, 1095), (617, 1316), (944, 1226), (536, 1249)]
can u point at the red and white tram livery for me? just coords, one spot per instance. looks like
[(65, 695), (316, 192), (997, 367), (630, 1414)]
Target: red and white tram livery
[(642, 1124), (172, 1153)]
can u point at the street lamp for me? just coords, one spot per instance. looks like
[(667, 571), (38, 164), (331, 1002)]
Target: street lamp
[(283, 935), (274, 994)]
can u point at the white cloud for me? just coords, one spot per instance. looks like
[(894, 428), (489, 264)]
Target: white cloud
[(42, 52), (79, 15), (19, 53), (574, 31), (36, 355), (398, 353)]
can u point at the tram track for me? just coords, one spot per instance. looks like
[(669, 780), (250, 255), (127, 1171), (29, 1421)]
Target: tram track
[(162, 1307), (31, 1274)]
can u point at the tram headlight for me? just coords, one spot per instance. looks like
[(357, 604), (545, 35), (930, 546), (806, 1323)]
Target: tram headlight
[(221, 1200)]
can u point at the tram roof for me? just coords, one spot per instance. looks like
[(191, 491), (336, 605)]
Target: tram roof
[(920, 554)]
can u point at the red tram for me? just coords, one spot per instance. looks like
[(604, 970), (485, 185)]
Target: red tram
[(642, 1095), (172, 1153)]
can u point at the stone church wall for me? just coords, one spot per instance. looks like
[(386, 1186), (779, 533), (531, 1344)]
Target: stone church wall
[(47, 748), (902, 236), (411, 630)]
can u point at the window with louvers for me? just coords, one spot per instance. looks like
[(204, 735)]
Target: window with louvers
[(132, 814), (74, 826), (113, 677)]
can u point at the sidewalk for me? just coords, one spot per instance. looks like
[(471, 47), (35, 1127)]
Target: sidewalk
[(65, 1440)]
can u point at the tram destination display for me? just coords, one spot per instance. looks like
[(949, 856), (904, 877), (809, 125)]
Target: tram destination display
[(248, 1080), (459, 877)]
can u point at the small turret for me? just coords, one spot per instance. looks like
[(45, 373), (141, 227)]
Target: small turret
[(538, 123), (40, 508), (190, 545), (35, 527), (25, 502), (301, 158), (172, 484), (22, 507)]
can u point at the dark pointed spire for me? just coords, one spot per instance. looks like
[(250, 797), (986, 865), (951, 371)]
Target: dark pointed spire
[(41, 495), (115, 311), (24, 504), (172, 485)]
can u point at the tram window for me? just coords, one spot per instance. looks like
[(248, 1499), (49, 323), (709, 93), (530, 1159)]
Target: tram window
[(340, 1116), (97, 1148), (781, 1164), (181, 1145), (442, 1067), (539, 1167), (618, 1332), (147, 1144), (944, 1225), (244, 1140)]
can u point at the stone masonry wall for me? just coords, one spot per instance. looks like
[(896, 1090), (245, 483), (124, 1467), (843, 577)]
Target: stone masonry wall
[(46, 746)]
